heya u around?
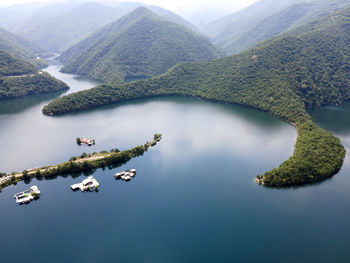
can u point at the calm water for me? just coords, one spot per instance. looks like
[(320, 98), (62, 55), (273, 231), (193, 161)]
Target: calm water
[(193, 200)]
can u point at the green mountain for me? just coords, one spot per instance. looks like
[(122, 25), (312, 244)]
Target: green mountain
[(60, 25), (12, 66), (139, 45), (266, 19), (19, 78), (305, 68), (21, 48)]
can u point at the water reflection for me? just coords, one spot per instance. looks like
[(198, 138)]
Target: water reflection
[(195, 189), (75, 82), (335, 119), (15, 106), (190, 127)]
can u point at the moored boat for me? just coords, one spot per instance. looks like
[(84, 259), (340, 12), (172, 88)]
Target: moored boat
[(88, 184), (125, 175)]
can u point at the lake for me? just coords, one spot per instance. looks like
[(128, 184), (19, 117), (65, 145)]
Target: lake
[(194, 198)]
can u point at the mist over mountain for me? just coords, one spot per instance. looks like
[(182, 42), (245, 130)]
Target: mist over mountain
[(57, 26), (22, 48), (265, 19)]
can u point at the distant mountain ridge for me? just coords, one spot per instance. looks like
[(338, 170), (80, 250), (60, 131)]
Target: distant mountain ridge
[(266, 19), (19, 78), (139, 45), (21, 48), (58, 26)]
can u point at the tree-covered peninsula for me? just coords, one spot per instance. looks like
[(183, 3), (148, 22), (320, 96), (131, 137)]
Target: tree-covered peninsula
[(19, 78), (306, 68)]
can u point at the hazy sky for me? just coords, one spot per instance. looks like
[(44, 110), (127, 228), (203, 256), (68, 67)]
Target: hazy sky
[(175, 5)]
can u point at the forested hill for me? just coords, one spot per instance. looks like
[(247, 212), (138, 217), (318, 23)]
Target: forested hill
[(19, 78), (309, 64), (21, 48), (139, 45), (57, 25), (229, 28), (283, 77), (12, 66), (266, 19)]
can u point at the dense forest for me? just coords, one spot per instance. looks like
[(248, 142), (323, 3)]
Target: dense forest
[(12, 66), (19, 78), (139, 45), (283, 76), (265, 19), (22, 48), (38, 83)]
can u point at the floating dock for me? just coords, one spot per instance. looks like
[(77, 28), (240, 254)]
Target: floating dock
[(89, 184), (125, 175), (27, 196)]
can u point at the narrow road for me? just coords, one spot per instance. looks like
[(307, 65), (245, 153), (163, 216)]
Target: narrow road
[(87, 159), (19, 76)]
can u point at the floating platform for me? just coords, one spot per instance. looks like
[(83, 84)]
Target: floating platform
[(89, 184), (27, 196), (125, 175)]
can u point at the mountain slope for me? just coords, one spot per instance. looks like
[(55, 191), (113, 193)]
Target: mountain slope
[(139, 45), (308, 68), (244, 29), (19, 78), (21, 48), (22, 42), (12, 66), (59, 26), (59, 32), (234, 25)]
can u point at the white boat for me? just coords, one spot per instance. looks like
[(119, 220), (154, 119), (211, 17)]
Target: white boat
[(88, 184), (127, 178), (125, 175)]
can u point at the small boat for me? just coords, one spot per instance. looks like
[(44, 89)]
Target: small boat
[(125, 175), (88, 184), (127, 178)]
